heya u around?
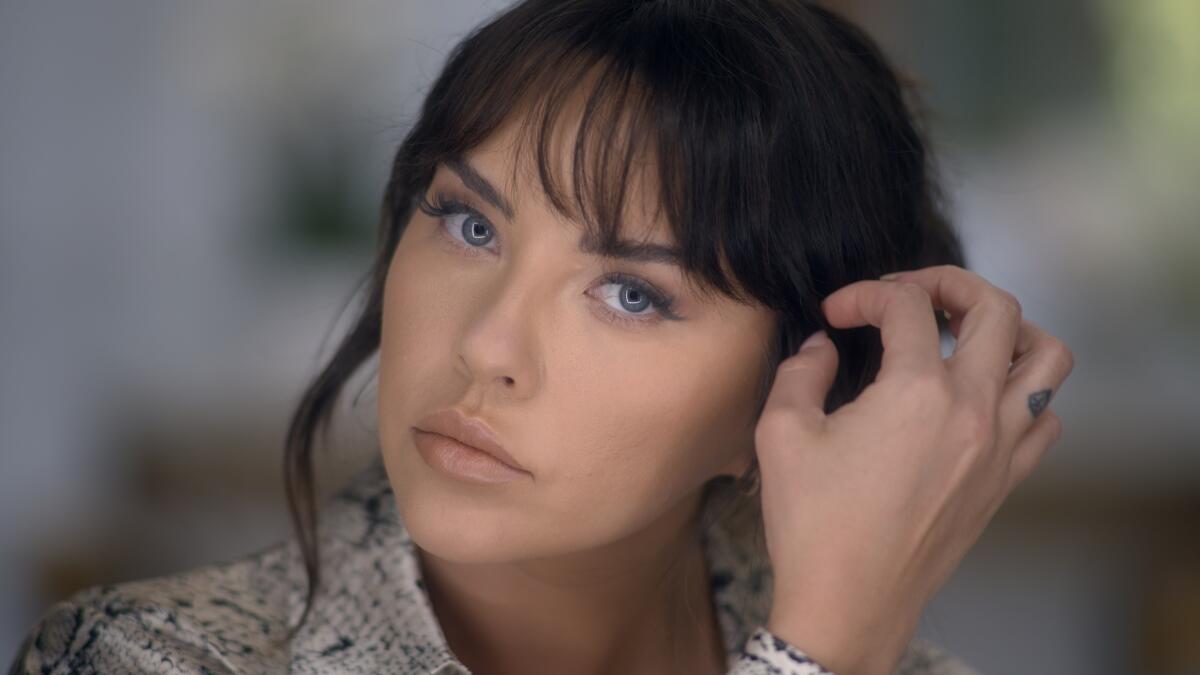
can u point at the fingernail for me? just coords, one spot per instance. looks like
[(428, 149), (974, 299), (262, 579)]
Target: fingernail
[(815, 340), (891, 275)]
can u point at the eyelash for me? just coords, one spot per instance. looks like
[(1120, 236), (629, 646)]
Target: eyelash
[(443, 206)]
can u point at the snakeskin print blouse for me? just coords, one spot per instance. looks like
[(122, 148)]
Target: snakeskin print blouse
[(371, 615)]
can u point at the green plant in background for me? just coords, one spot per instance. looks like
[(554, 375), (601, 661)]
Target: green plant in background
[(1156, 95), (319, 202), (320, 209)]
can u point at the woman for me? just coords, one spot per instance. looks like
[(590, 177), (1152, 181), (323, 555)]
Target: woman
[(601, 244)]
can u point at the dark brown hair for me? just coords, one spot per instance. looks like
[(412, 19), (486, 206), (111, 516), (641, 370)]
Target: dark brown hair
[(787, 150)]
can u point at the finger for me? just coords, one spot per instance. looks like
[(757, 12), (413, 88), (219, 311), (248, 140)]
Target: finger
[(1029, 337), (1020, 350), (1045, 433), (904, 314), (802, 383), (1042, 363), (988, 322)]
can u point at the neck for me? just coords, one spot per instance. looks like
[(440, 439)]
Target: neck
[(639, 604)]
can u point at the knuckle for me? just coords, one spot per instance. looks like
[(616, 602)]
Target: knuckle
[(1064, 360), (913, 290), (931, 388), (977, 426), (926, 396), (1007, 302), (909, 287)]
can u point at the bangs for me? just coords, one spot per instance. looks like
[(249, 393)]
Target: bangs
[(627, 101)]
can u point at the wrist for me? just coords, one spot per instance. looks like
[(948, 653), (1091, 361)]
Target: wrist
[(843, 644)]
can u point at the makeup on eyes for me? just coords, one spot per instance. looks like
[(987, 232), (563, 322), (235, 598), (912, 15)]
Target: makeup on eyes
[(440, 205)]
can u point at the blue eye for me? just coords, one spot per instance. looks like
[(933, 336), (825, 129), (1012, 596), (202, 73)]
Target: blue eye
[(640, 299), (472, 227), (474, 232), (635, 296)]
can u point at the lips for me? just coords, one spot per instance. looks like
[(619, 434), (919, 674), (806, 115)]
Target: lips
[(470, 431)]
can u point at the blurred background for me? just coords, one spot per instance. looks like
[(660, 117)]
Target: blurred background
[(187, 202)]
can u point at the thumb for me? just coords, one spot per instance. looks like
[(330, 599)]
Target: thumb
[(803, 379)]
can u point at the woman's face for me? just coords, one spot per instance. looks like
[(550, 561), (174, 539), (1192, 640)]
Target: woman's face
[(618, 413)]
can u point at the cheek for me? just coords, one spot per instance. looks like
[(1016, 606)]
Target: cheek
[(670, 413), (413, 338), (642, 435)]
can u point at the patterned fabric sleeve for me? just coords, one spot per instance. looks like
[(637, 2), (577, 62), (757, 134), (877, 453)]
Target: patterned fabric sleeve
[(75, 638), (768, 654)]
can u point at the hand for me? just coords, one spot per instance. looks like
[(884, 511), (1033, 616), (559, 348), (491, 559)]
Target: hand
[(868, 510)]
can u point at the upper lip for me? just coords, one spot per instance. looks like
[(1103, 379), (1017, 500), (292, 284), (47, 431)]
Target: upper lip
[(469, 430)]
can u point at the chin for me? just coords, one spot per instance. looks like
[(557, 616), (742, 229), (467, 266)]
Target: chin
[(457, 529)]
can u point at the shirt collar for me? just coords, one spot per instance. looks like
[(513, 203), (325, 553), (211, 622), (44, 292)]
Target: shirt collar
[(373, 614)]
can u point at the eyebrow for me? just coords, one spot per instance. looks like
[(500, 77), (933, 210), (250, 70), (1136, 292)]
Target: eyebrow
[(475, 180), (633, 251)]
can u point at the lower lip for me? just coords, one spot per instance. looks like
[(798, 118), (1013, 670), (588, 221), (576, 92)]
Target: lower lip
[(462, 461)]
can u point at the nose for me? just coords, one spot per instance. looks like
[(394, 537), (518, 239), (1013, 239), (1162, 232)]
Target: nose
[(499, 344)]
